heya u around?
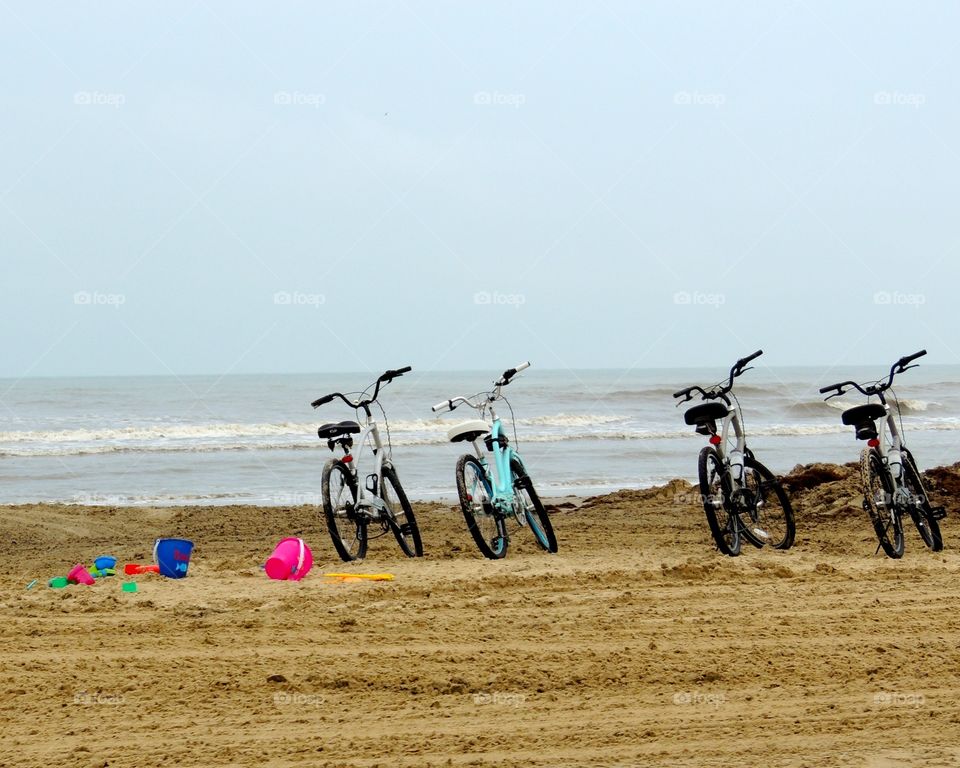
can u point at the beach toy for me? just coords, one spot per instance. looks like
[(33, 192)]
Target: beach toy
[(133, 569), (291, 560), (173, 557), (359, 576), (58, 582), (106, 564), (129, 586), (80, 575), (32, 584)]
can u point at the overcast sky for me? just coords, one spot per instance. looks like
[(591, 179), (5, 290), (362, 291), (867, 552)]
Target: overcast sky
[(210, 187)]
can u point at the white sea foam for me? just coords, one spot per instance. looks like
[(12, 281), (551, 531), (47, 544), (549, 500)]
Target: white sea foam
[(208, 438)]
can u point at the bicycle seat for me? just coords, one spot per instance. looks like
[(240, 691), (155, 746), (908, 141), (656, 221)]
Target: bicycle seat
[(862, 417), (853, 417), (705, 412), (330, 431), (468, 431)]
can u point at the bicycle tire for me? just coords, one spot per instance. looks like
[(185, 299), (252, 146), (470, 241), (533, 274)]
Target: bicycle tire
[(779, 527), (875, 479), (927, 525), (713, 481), (401, 521), (537, 517), (348, 530), (485, 523)]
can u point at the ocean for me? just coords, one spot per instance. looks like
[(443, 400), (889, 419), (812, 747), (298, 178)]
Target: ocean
[(252, 438)]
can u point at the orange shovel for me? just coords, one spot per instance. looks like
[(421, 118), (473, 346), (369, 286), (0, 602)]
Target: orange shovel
[(132, 569)]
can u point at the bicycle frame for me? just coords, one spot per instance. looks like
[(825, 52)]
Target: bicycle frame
[(732, 420), (373, 499), (502, 495), (892, 456)]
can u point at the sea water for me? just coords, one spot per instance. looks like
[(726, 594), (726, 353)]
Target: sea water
[(252, 438)]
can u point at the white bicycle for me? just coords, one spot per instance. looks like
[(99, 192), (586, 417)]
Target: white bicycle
[(740, 495), (891, 480), (349, 508)]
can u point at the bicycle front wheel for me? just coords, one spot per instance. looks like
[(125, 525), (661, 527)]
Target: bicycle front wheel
[(878, 501), (769, 519), (927, 525), (533, 510), (486, 523), (400, 514), (348, 529), (715, 494)]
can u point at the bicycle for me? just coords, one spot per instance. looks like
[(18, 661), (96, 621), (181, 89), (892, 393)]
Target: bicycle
[(488, 499), (740, 495), (888, 471), (349, 508)]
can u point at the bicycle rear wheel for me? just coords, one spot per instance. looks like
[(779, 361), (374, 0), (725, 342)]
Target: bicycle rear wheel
[(485, 523), (400, 517), (927, 525), (715, 494), (347, 528), (769, 519), (878, 501), (537, 517)]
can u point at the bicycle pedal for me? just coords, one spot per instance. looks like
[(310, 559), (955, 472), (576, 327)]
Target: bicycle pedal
[(761, 534), (938, 513)]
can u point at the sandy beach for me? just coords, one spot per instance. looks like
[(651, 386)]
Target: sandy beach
[(637, 644)]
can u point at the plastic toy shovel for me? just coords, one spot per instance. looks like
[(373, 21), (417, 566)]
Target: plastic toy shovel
[(348, 577), (133, 569)]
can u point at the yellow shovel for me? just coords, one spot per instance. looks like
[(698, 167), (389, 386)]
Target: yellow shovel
[(343, 577)]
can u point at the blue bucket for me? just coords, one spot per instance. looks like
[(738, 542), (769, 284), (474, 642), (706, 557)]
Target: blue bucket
[(173, 557)]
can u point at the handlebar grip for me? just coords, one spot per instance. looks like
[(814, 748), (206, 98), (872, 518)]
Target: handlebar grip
[(910, 358), (744, 360), (443, 405), (824, 390), (392, 374), (322, 400), (511, 372), (681, 393)]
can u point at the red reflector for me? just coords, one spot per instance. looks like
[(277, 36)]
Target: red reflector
[(874, 443), (715, 440), (347, 459)]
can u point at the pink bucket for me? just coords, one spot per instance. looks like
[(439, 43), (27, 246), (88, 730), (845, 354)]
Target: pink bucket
[(80, 575), (291, 560)]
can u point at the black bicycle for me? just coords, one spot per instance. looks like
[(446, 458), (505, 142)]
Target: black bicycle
[(740, 495), (349, 508), (888, 471)]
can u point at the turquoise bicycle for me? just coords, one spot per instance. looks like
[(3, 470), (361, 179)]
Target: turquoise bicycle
[(489, 500)]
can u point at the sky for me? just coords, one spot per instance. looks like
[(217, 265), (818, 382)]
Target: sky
[(230, 187)]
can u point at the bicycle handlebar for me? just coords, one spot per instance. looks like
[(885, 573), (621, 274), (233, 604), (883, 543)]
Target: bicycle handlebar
[(453, 402), (736, 370), (384, 378), (876, 388)]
